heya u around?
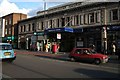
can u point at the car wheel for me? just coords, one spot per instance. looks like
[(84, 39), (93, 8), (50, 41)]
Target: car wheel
[(97, 61), (72, 59)]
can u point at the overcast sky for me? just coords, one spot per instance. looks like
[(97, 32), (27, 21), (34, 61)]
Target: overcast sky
[(30, 7)]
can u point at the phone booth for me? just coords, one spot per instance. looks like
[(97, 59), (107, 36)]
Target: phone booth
[(54, 48)]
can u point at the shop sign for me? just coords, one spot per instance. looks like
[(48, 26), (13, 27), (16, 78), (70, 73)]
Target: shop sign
[(39, 33), (79, 43), (58, 36), (10, 38)]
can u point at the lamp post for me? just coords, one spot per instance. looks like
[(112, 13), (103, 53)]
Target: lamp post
[(105, 33)]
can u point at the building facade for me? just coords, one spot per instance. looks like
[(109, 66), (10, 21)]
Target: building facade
[(10, 27), (0, 30), (81, 24)]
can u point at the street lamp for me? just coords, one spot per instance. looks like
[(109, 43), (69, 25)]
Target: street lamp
[(105, 33)]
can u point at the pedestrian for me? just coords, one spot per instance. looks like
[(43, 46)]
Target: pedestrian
[(113, 49), (58, 47), (92, 46), (46, 47), (38, 46)]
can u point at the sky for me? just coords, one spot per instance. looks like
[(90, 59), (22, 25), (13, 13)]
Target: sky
[(31, 7), (26, 7)]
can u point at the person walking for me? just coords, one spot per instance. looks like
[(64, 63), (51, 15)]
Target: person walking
[(113, 49), (46, 47), (38, 46)]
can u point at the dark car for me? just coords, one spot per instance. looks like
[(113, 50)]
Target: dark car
[(86, 54)]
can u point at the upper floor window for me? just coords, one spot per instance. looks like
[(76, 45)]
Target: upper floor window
[(58, 23), (50, 24), (6, 31), (10, 21), (73, 19), (68, 21), (91, 17), (42, 25), (6, 22), (9, 31), (76, 20), (86, 18), (29, 27), (33, 27), (24, 28), (81, 19), (114, 14), (97, 16)]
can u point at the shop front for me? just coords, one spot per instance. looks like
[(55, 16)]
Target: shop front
[(41, 39), (88, 36), (10, 39), (113, 38), (62, 37), (22, 42)]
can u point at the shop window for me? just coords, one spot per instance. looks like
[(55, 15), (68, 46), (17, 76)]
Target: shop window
[(114, 14)]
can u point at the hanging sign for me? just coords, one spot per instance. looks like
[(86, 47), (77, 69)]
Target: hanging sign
[(58, 36)]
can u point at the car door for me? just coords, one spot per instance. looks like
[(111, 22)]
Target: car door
[(86, 55), (77, 54)]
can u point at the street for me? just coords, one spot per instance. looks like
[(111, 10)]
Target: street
[(30, 66)]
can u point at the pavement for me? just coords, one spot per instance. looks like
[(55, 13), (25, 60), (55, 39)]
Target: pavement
[(58, 55)]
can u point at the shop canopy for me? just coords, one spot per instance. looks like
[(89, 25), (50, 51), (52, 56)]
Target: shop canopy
[(65, 29), (114, 28)]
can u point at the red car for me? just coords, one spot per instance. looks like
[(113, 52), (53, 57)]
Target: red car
[(87, 54)]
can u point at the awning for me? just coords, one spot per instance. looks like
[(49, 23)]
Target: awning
[(113, 28), (78, 30), (65, 29)]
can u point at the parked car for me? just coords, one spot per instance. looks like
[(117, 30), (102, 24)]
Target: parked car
[(7, 52), (86, 54)]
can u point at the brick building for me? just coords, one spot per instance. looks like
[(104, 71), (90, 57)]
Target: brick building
[(10, 27)]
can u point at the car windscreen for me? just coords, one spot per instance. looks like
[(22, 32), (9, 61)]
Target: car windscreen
[(5, 47)]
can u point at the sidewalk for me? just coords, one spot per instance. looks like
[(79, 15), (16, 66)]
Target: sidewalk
[(59, 55)]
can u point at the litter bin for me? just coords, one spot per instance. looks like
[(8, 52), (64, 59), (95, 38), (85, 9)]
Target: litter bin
[(54, 48)]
